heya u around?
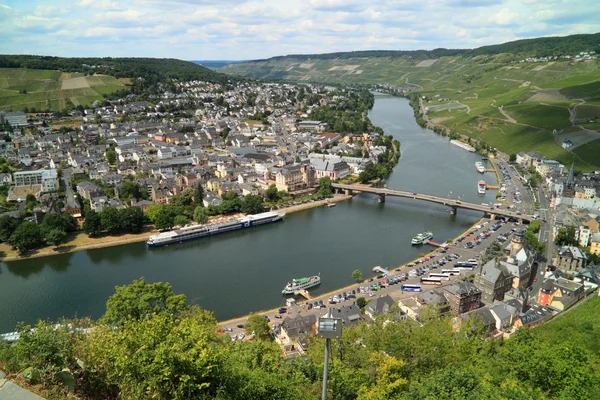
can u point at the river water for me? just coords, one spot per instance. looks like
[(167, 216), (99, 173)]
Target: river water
[(241, 272)]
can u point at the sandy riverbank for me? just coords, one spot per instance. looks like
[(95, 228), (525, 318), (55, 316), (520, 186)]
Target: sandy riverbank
[(80, 241)]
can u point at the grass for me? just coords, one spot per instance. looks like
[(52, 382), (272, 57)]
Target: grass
[(44, 89), (587, 90), (547, 117), (587, 111), (590, 152)]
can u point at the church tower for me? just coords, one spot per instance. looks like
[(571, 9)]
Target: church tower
[(516, 243)]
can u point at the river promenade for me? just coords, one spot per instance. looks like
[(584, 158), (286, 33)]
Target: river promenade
[(80, 241)]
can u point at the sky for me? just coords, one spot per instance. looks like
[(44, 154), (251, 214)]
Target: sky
[(243, 30)]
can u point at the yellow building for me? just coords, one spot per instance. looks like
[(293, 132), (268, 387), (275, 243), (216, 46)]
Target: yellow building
[(595, 244)]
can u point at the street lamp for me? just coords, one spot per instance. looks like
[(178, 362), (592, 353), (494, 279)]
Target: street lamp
[(328, 328)]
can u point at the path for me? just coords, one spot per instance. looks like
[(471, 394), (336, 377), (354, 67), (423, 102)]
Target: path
[(508, 117)]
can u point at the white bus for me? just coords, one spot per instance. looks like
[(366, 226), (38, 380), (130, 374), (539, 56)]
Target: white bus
[(452, 272), (412, 288), (444, 277), (431, 281)]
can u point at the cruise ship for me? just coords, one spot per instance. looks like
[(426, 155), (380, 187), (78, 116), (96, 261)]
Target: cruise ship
[(199, 231), (463, 145), (421, 237), (481, 187), (479, 167), (300, 284)]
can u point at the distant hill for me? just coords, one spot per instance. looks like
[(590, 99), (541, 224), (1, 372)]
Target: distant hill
[(214, 64), (518, 96)]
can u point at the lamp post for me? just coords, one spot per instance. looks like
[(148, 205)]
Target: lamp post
[(328, 328)]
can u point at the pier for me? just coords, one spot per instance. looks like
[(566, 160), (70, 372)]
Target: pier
[(304, 293), (454, 204), (381, 270), (436, 244)]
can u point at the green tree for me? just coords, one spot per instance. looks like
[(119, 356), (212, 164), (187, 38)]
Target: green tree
[(565, 236), (111, 156), (184, 199), (181, 220), (110, 219), (357, 275), (533, 182), (140, 300), (130, 190), (252, 204), (272, 194), (27, 236), (325, 188), (199, 195), (92, 225), (512, 158), (258, 324), (7, 226), (361, 302), (55, 237), (200, 215), (63, 221), (165, 218), (494, 250), (131, 219)]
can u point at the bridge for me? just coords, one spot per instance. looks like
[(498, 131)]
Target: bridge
[(454, 204)]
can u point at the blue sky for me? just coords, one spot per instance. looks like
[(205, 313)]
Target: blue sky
[(239, 29)]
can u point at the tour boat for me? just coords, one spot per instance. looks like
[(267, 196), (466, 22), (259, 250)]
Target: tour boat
[(481, 187), (421, 237), (300, 284)]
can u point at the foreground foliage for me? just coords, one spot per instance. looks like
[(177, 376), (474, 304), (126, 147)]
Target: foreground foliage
[(154, 346)]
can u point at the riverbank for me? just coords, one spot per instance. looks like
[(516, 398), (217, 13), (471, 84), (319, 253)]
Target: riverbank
[(346, 288), (80, 241)]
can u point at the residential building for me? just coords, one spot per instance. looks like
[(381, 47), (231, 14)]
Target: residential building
[(533, 317), (379, 305), (595, 244), (570, 259), (560, 294), (462, 297), (295, 331), (332, 169), (295, 177), (583, 236), (350, 315), (482, 320), (88, 190), (494, 280), (15, 118), (436, 300), (504, 315)]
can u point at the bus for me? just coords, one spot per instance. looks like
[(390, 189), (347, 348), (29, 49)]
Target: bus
[(412, 288), (431, 281), (465, 265), (452, 272), (444, 277)]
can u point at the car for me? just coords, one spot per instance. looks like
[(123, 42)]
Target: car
[(220, 330), (241, 336), (241, 326), (535, 279), (371, 294), (278, 316), (228, 330)]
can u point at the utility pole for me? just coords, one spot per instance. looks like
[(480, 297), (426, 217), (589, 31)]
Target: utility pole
[(328, 328)]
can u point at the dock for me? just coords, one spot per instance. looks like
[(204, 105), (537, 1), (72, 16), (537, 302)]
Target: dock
[(381, 269), (432, 243), (492, 186), (304, 293)]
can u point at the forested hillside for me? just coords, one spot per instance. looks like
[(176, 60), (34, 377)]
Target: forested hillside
[(149, 344)]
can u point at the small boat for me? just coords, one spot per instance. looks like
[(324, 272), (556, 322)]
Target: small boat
[(331, 204), (481, 187), (479, 167)]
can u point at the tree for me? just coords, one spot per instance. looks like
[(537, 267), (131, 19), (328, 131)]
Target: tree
[(7, 227), (181, 220), (131, 219), (200, 215), (130, 190), (512, 158), (325, 188), (92, 225), (494, 250), (199, 195), (361, 302), (110, 219), (140, 300), (111, 156), (27, 236), (185, 198), (259, 325), (566, 236), (272, 194), (165, 218), (357, 275), (55, 237), (252, 204), (533, 182), (63, 221)]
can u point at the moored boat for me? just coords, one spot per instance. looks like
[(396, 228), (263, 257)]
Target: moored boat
[(481, 187), (199, 231), (300, 284), (421, 237), (463, 145), (479, 167)]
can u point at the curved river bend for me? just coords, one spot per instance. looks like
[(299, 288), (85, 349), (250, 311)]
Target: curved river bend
[(241, 272)]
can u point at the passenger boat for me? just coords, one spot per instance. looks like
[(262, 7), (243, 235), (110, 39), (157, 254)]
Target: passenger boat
[(300, 284), (479, 167), (199, 231), (331, 204), (421, 237), (481, 187), (463, 145)]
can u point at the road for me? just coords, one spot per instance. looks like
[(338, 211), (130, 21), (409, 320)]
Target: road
[(394, 290)]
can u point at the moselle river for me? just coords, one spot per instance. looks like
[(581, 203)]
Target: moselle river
[(240, 272)]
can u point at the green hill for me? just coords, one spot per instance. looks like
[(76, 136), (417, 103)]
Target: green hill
[(465, 89), (50, 83)]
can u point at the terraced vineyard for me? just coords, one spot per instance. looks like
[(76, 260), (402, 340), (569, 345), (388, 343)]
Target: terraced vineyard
[(511, 105), (51, 90)]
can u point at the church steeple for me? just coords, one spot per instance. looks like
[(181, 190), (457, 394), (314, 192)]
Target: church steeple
[(571, 177)]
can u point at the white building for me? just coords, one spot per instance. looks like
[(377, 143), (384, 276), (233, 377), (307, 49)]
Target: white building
[(48, 178)]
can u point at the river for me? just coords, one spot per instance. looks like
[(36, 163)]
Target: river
[(242, 272)]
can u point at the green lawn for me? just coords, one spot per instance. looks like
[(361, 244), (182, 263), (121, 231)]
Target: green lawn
[(587, 90), (590, 152), (43, 89), (547, 117)]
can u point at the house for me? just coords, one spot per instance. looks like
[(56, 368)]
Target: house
[(595, 244), (350, 315), (560, 294), (411, 307), (294, 330), (436, 300), (5, 179), (482, 320), (295, 177), (212, 199), (570, 258), (332, 169), (519, 266), (379, 305), (494, 280), (73, 209), (504, 315), (463, 297), (589, 274), (88, 190), (534, 316)]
